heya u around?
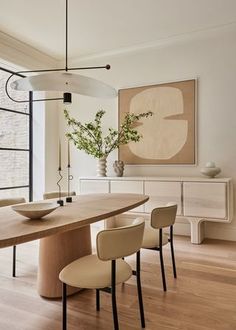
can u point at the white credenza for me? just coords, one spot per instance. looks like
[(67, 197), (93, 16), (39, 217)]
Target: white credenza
[(198, 199)]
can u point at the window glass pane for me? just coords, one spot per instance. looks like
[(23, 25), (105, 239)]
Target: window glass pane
[(18, 192), (5, 102), (14, 168), (14, 130)]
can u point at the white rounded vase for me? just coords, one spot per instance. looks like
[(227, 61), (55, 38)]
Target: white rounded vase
[(210, 170), (102, 166)]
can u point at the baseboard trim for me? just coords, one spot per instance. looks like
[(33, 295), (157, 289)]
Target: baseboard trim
[(219, 231)]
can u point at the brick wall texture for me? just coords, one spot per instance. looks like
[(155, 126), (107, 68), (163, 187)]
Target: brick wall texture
[(14, 128)]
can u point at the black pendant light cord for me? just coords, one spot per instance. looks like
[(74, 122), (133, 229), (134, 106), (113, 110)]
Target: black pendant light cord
[(66, 68), (19, 73)]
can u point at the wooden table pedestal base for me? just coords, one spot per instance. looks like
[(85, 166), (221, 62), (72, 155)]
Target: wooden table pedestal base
[(57, 251)]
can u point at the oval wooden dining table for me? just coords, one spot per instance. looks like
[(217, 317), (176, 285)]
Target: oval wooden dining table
[(64, 234)]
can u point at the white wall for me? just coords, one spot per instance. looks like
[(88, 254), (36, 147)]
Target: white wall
[(211, 59), (51, 143), (45, 143), (38, 148)]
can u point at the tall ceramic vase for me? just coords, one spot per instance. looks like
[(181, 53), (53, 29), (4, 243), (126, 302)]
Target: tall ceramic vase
[(102, 166)]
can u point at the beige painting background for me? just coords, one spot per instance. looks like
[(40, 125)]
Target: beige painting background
[(169, 135)]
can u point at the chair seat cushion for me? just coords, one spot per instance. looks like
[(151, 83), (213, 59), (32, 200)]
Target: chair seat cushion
[(89, 272), (151, 238)]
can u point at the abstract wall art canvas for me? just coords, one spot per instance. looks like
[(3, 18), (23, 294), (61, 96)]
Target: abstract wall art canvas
[(169, 136)]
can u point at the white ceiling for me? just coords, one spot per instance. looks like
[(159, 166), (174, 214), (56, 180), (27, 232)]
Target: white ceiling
[(98, 26)]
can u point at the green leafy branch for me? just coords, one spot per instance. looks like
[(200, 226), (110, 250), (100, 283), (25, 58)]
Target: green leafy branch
[(88, 136)]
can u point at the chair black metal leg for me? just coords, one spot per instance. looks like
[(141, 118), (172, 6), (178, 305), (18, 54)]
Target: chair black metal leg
[(97, 299), (64, 303), (140, 298), (113, 294), (162, 269), (162, 261), (14, 262), (172, 252)]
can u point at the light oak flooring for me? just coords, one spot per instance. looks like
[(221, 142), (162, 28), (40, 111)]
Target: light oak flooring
[(202, 298)]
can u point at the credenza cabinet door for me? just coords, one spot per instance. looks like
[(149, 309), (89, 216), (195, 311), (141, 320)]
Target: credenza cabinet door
[(160, 193), (94, 186), (129, 187), (207, 200)]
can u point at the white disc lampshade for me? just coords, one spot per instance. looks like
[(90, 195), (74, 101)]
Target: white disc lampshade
[(65, 82)]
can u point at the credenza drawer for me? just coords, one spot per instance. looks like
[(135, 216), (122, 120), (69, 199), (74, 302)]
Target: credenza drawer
[(94, 186), (207, 200), (132, 187), (160, 193)]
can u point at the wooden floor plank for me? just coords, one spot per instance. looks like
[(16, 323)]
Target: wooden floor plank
[(202, 298)]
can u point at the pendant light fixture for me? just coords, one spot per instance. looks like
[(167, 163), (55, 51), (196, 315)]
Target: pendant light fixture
[(62, 80)]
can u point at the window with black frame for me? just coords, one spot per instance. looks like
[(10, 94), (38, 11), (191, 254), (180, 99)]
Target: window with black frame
[(15, 143)]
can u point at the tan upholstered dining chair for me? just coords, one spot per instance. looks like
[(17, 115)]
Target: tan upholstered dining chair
[(107, 269), (55, 194), (7, 202), (155, 239)]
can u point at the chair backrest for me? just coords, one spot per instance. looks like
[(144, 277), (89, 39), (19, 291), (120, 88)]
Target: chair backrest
[(55, 194), (11, 201), (163, 216), (120, 242)]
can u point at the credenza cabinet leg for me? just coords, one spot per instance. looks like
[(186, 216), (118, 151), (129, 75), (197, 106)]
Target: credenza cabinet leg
[(197, 230)]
